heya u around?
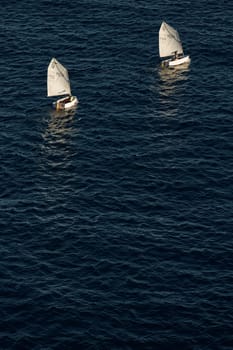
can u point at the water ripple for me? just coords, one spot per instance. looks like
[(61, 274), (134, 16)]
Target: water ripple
[(116, 220)]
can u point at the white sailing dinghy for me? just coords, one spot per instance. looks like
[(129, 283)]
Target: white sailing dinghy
[(58, 84), (170, 47)]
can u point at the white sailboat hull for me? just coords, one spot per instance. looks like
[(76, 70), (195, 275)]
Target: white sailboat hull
[(66, 103), (182, 60), (176, 62)]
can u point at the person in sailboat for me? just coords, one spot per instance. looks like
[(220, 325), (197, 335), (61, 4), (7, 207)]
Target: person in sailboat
[(68, 99), (176, 56)]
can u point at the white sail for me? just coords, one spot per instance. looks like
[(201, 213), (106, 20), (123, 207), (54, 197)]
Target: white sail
[(169, 41), (57, 79)]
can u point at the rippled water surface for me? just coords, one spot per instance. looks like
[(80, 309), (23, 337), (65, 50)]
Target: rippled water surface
[(116, 219)]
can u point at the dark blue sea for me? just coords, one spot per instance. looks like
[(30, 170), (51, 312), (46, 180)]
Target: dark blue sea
[(116, 219)]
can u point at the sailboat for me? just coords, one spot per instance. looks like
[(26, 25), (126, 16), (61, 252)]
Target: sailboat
[(170, 47), (58, 84)]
